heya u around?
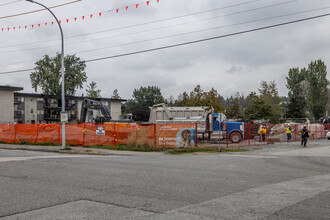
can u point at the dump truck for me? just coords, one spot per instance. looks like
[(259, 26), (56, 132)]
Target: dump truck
[(208, 123)]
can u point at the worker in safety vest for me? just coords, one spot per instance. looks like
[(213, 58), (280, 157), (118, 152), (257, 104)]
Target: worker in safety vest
[(288, 133), (264, 131)]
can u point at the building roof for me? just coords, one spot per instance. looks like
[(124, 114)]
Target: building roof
[(68, 97), (11, 88)]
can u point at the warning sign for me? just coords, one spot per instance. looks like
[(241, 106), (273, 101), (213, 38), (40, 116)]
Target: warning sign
[(100, 130)]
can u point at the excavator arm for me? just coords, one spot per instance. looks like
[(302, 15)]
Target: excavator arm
[(94, 105)]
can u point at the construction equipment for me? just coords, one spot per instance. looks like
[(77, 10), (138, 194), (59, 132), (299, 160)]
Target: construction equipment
[(105, 114), (207, 121), (94, 105)]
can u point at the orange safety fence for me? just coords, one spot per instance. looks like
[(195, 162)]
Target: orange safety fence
[(50, 133), (185, 135), (27, 133), (7, 133), (91, 138)]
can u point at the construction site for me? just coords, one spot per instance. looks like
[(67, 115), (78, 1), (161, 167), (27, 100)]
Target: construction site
[(100, 122)]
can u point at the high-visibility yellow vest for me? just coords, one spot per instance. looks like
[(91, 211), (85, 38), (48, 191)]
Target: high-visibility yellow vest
[(288, 130)]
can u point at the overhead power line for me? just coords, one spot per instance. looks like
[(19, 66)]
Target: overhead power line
[(192, 32), (31, 12), (193, 42), (171, 26), (8, 3), (140, 24), (16, 71)]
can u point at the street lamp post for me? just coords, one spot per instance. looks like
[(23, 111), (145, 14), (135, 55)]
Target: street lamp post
[(62, 69)]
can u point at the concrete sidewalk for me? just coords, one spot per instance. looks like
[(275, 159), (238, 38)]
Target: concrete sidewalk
[(276, 147), (75, 150)]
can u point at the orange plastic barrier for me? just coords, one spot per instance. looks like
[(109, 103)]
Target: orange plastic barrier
[(49, 133), (154, 135), (7, 133), (91, 137), (27, 133)]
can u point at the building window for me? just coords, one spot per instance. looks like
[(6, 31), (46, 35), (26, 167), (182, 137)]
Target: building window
[(31, 111), (40, 112), (40, 99)]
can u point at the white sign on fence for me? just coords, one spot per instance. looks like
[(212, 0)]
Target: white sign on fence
[(100, 130)]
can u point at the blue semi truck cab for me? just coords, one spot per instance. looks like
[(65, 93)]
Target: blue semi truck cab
[(234, 131)]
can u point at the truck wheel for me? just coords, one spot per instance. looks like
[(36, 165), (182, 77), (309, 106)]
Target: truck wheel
[(235, 137)]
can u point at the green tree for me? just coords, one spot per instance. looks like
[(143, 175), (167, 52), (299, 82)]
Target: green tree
[(259, 109), (249, 98), (212, 98), (145, 97), (318, 83), (115, 94), (269, 93), (182, 99), (47, 74), (234, 109), (198, 97), (296, 107), (92, 91)]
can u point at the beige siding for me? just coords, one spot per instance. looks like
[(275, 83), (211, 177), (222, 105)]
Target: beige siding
[(30, 110), (115, 110), (6, 107)]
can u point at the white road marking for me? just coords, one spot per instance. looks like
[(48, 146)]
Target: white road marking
[(248, 156), (7, 159)]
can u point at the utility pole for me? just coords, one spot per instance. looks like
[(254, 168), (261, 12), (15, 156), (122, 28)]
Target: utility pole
[(64, 115)]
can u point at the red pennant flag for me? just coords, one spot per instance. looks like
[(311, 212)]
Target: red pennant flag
[(137, 5), (32, 26), (100, 14), (14, 28), (67, 20), (91, 16), (8, 29), (2, 29), (46, 24), (60, 21), (126, 7), (117, 10), (83, 17), (38, 25), (157, 0), (147, 3), (19, 27), (25, 27), (52, 22)]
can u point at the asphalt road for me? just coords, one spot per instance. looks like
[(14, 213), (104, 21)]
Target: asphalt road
[(283, 181)]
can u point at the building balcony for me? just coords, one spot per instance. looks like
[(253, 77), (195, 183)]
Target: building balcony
[(17, 114)]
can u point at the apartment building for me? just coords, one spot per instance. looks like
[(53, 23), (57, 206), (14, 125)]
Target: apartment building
[(7, 103), (30, 108)]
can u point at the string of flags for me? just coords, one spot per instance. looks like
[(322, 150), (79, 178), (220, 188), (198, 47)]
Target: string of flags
[(78, 18)]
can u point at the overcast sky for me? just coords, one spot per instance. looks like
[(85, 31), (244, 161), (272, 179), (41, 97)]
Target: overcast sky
[(232, 64)]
